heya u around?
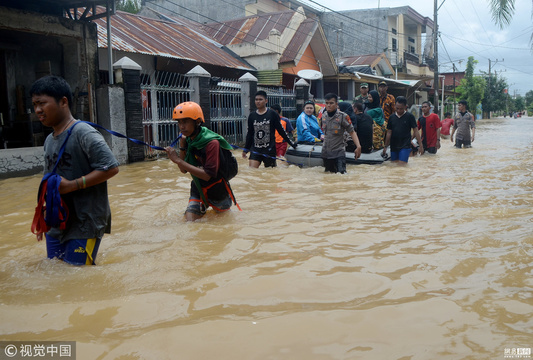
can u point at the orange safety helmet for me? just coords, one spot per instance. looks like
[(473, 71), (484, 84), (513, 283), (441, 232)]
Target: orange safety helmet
[(188, 110)]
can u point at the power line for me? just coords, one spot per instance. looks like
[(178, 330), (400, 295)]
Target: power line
[(217, 22)]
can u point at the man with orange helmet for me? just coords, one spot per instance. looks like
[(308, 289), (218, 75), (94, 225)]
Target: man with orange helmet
[(206, 156)]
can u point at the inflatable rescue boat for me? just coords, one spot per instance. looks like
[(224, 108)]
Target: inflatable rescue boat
[(309, 155)]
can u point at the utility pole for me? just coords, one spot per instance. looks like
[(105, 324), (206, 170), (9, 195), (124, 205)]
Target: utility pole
[(453, 65), (489, 95), (436, 59), (337, 62)]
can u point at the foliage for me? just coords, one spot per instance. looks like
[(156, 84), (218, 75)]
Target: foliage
[(495, 97), (472, 88), (131, 6), (502, 11), (519, 103), (529, 98)]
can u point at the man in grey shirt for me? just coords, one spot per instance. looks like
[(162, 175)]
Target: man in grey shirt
[(463, 122), (334, 124), (84, 167)]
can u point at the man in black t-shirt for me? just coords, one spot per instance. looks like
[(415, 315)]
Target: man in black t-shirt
[(399, 133), (261, 136)]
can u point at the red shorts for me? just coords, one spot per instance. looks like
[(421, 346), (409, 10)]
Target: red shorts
[(281, 149)]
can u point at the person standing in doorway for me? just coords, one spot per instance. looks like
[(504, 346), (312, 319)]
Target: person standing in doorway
[(463, 123)]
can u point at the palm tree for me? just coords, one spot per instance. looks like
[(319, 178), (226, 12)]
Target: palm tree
[(502, 11), (502, 14)]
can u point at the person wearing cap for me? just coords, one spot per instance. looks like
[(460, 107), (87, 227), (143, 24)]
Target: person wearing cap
[(386, 101), (200, 154), (363, 97), (307, 127)]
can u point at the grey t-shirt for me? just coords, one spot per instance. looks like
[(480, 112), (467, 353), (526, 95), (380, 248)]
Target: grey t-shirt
[(462, 125), (334, 128), (89, 211)]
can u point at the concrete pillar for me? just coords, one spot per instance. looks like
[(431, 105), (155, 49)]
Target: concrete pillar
[(302, 95), (199, 84), (351, 90), (112, 115), (128, 73), (248, 90), (154, 110)]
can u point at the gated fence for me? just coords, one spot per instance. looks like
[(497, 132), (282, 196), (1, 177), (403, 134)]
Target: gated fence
[(227, 114), (285, 98), (162, 91)]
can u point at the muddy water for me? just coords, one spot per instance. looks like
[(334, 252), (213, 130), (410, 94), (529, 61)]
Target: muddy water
[(428, 261)]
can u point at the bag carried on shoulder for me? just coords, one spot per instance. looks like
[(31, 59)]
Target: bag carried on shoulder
[(228, 167)]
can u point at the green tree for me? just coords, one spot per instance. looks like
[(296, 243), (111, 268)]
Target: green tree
[(131, 6), (472, 87), (529, 98), (519, 103), (494, 99)]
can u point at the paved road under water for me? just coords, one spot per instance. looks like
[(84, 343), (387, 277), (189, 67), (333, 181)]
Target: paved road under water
[(428, 261)]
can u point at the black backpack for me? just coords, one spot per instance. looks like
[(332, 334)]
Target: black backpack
[(228, 167)]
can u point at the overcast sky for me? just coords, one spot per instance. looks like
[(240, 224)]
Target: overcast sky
[(467, 29)]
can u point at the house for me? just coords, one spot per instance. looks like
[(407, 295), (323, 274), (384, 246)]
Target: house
[(164, 43), (278, 45), (401, 33)]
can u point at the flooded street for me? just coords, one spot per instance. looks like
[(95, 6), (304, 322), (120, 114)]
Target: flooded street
[(428, 261)]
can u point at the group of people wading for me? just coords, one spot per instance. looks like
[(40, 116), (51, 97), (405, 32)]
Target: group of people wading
[(81, 162)]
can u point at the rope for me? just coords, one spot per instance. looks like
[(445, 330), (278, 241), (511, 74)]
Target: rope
[(267, 156), (139, 142)]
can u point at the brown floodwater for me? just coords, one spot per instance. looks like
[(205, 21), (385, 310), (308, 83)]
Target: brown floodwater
[(428, 261)]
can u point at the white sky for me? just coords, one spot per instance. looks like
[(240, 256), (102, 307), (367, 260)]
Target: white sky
[(467, 29)]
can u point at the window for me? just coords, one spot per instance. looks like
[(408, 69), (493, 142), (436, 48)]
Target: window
[(394, 31), (412, 49), (411, 40), (394, 45)]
